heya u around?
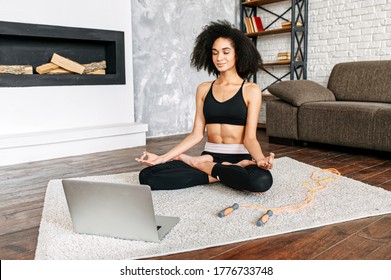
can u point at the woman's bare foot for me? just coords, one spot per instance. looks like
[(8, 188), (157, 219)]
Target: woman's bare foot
[(245, 162), (242, 163), (193, 161)]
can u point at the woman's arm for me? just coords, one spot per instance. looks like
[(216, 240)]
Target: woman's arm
[(253, 97), (189, 141)]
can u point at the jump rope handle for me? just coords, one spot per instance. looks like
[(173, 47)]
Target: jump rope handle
[(228, 210), (265, 217)]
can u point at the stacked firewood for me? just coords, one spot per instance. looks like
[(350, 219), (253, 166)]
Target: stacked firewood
[(57, 65), (16, 69)]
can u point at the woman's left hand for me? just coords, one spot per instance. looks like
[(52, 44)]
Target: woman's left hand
[(150, 159), (267, 162)]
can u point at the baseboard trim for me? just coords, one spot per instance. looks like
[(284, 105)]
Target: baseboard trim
[(36, 146)]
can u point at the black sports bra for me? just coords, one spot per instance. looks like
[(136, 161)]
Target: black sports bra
[(232, 111)]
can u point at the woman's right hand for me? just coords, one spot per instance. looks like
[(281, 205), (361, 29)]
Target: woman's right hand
[(150, 159), (267, 162)]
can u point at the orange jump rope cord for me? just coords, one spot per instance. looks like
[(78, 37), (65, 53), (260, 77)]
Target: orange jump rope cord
[(321, 184)]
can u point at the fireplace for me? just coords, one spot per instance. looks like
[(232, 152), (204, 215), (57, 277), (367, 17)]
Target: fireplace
[(34, 44)]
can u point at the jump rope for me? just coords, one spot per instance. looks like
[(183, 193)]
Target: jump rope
[(322, 178)]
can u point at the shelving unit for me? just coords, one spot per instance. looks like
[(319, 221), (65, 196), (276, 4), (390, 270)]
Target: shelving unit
[(297, 65), (298, 30)]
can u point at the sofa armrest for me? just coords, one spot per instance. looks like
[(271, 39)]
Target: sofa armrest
[(297, 92)]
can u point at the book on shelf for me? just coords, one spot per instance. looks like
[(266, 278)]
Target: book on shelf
[(284, 56), (258, 24), (253, 24), (281, 56), (249, 28), (286, 24)]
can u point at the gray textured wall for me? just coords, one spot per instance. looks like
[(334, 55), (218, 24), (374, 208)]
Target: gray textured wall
[(163, 38)]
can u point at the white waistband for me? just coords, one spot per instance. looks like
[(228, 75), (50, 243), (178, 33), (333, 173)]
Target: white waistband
[(225, 148)]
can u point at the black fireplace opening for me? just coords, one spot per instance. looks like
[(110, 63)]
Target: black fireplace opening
[(34, 44)]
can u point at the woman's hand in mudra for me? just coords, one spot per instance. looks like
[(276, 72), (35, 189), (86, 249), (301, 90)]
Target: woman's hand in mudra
[(150, 159), (267, 162)]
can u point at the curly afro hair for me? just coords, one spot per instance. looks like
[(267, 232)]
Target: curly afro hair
[(248, 59)]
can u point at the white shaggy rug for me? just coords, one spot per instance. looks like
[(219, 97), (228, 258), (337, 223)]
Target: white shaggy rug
[(197, 207)]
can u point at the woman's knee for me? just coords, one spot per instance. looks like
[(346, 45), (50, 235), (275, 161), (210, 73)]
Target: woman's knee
[(261, 182), (144, 176)]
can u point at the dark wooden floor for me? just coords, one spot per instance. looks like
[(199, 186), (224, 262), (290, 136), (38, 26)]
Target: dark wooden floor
[(22, 191)]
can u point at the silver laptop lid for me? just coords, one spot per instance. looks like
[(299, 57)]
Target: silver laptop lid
[(111, 209)]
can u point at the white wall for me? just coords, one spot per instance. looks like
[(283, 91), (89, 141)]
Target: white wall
[(348, 30), (40, 113), (338, 31)]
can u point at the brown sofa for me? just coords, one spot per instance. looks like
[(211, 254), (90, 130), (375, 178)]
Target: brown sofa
[(354, 110)]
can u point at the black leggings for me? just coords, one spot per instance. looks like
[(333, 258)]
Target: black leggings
[(177, 174)]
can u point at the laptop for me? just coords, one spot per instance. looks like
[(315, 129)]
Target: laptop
[(115, 210)]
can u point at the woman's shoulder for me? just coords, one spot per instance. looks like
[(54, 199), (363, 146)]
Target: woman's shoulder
[(203, 88), (251, 89), (205, 85)]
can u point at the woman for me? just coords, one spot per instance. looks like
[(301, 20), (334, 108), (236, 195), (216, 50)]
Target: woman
[(228, 109)]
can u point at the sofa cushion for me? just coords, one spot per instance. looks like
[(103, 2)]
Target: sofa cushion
[(368, 81), (345, 123), (382, 129), (281, 119), (298, 92)]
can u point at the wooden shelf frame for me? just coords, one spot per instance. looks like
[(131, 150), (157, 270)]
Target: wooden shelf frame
[(277, 63), (270, 32)]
